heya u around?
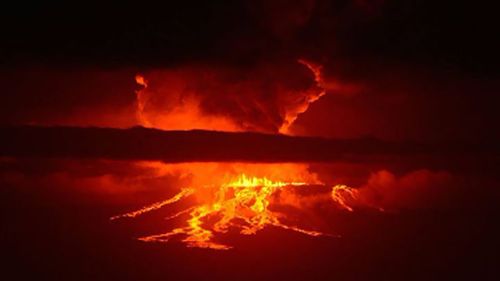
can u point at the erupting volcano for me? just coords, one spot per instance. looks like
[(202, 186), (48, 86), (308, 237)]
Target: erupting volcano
[(242, 200), (250, 140)]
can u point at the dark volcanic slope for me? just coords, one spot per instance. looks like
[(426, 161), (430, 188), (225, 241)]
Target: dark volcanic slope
[(187, 146)]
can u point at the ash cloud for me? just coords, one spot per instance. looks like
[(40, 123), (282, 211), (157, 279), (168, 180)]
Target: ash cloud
[(264, 97)]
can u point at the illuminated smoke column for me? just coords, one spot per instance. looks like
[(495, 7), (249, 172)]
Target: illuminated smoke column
[(264, 98)]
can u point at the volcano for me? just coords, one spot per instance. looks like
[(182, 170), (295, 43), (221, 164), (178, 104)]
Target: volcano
[(250, 140)]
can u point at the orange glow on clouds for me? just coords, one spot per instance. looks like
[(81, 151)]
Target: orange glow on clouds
[(218, 99)]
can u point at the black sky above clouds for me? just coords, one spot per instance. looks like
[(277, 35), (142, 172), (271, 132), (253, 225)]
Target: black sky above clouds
[(458, 35)]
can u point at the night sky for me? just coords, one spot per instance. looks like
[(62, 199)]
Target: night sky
[(416, 81)]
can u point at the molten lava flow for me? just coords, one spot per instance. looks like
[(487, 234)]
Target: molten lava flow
[(184, 193), (237, 202), (242, 203), (341, 193)]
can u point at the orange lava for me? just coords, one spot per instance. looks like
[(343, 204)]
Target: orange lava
[(240, 203), (341, 193)]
